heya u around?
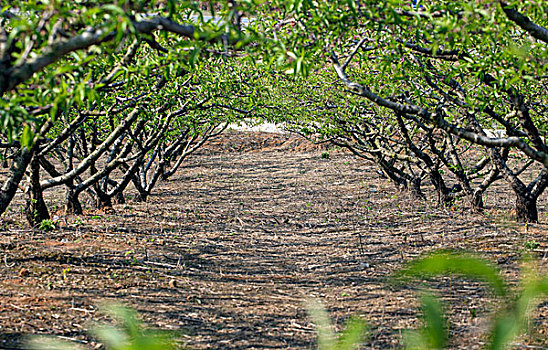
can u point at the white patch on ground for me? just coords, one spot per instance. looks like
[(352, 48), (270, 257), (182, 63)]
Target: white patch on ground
[(264, 127)]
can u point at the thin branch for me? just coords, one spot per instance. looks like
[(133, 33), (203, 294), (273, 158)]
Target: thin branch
[(93, 36), (353, 53), (524, 22)]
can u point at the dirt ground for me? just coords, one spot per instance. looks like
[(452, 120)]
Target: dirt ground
[(251, 228)]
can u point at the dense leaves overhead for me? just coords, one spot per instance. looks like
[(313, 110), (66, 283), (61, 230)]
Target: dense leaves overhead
[(121, 87), (418, 87), (457, 73)]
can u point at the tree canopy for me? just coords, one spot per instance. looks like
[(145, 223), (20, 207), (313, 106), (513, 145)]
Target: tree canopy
[(452, 92)]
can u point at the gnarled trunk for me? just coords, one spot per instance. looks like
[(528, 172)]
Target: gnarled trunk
[(119, 198), (72, 203), (476, 201), (15, 174), (102, 200), (444, 194), (415, 188), (526, 208), (36, 210), (142, 196)]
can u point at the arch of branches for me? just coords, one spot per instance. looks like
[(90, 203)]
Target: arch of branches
[(449, 92), (103, 94), (98, 96)]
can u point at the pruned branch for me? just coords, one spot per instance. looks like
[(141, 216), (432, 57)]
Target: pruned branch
[(524, 22)]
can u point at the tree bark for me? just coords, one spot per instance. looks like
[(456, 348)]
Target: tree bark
[(36, 210), (72, 203), (444, 195), (119, 198), (15, 174), (141, 197), (17, 170), (415, 188), (142, 193), (476, 201), (526, 209), (102, 200)]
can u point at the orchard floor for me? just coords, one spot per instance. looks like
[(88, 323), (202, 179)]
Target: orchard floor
[(230, 250)]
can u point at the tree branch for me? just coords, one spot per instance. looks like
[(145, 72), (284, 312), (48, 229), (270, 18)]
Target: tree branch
[(93, 36), (366, 92), (524, 22)]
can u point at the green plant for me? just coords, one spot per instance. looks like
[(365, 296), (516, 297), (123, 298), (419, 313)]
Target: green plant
[(324, 155), (47, 225), (509, 322), (531, 245), (433, 335), (349, 338), (65, 272), (131, 257), (130, 334)]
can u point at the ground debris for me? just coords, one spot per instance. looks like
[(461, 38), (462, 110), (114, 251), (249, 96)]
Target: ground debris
[(251, 228)]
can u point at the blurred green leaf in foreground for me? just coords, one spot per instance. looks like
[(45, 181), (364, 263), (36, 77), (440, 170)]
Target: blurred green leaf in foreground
[(511, 321), (130, 335)]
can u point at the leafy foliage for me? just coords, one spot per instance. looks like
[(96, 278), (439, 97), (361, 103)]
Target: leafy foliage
[(433, 335), (47, 225), (509, 322), (436, 80), (133, 86), (131, 335), (454, 263), (350, 338)]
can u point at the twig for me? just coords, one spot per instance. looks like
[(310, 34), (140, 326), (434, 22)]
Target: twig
[(160, 264), (6, 262), (18, 307), (353, 53), (529, 346), (81, 310), (72, 339)]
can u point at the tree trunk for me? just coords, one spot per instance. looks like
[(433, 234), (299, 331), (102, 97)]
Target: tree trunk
[(141, 196), (476, 201), (17, 171), (102, 200), (36, 210), (15, 174), (444, 196), (526, 209), (72, 203), (415, 188), (142, 193), (119, 198)]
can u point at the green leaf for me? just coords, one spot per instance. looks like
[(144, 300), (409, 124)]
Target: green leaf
[(453, 263), (27, 137), (433, 335), (350, 338), (50, 343), (326, 336), (435, 329), (113, 338), (114, 9), (513, 320), (353, 334)]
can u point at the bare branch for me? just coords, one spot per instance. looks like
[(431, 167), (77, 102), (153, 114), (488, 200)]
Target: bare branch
[(366, 92), (524, 22)]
